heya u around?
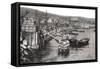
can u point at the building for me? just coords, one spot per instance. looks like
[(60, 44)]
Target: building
[(29, 31)]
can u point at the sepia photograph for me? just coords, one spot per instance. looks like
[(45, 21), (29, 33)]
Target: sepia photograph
[(56, 34)]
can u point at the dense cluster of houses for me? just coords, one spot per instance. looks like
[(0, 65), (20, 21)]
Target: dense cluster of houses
[(31, 25)]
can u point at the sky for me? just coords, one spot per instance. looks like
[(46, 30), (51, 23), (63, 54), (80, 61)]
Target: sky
[(65, 11)]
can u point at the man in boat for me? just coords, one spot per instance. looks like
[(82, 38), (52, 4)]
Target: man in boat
[(63, 48)]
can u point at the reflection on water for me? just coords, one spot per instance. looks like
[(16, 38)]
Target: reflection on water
[(50, 52), (85, 53)]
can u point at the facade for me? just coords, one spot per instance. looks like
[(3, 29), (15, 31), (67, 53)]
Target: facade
[(29, 31)]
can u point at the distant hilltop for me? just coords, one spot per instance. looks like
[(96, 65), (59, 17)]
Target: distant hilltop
[(28, 12)]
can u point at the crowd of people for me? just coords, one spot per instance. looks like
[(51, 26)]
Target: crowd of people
[(32, 43)]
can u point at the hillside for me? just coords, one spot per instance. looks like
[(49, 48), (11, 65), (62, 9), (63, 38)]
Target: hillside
[(62, 19)]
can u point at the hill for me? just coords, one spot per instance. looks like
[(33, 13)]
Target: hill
[(28, 12)]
